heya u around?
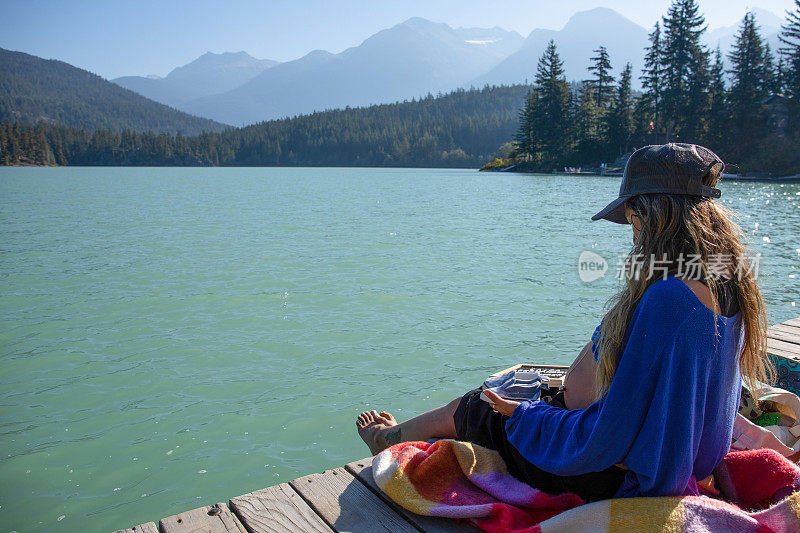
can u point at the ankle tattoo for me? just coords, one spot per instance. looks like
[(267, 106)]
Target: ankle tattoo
[(393, 436)]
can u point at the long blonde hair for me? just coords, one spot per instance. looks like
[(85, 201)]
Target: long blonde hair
[(675, 227)]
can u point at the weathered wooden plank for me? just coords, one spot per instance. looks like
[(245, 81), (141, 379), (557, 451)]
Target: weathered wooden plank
[(347, 499), (276, 509), (792, 322), (783, 326), (783, 346), (785, 355), (430, 524), (215, 519), (787, 326), (785, 333), (149, 527), (347, 505)]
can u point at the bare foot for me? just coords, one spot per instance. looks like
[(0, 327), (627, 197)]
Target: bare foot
[(374, 429)]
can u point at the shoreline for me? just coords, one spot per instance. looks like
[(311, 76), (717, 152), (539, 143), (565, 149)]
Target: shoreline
[(759, 177)]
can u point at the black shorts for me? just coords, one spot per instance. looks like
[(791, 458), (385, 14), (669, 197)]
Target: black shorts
[(477, 422)]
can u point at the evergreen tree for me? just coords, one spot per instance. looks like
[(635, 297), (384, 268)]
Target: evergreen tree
[(780, 76), (60, 157), (790, 53), (462, 129), (587, 118), (718, 109), (749, 84), (694, 126), (683, 59), (644, 128), (771, 77), (528, 146), (790, 38), (551, 119), (653, 80), (620, 116), (603, 82)]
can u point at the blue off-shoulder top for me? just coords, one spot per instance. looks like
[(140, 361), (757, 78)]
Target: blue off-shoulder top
[(668, 414)]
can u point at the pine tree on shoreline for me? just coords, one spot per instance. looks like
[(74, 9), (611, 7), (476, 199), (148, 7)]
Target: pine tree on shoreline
[(620, 115), (718, 118), (790, 54), (653, 78), (602, 82), (590, 142), (683, 61), (750, 79), (544, 138)]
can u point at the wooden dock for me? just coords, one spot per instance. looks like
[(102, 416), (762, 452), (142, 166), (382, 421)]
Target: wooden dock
[(346, 499)]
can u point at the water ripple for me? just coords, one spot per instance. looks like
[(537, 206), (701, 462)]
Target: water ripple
[(158, 323)]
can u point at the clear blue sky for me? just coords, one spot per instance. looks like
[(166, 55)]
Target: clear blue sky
[(116, 38)]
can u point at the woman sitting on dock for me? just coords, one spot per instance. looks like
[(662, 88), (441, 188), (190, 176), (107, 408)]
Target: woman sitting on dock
[(652, 412)]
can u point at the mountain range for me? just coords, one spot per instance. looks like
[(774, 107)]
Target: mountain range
[(406, 61), (402, 62)]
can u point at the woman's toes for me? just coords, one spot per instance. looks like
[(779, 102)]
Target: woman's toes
[(386, 419), (369, 425), (364, 419)]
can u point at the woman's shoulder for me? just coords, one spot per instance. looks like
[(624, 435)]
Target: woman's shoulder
[(668, 303), (667, 290), (681, 293), (664, 297)]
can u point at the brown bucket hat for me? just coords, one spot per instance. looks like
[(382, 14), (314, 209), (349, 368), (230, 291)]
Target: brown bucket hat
[(672, 168)]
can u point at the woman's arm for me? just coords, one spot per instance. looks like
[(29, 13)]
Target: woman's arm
[(647, 419), (578, 385), (579, 381), (579, 388)]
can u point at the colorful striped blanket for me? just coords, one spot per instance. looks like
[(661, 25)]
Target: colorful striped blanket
[(465, 481)]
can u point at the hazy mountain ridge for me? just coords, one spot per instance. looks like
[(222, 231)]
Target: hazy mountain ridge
[(208, 74), (406, 61), (420, 56), (725, 37), (34, 90), (584, 32)]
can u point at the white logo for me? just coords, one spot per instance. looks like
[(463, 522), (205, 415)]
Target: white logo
[(591, 266)]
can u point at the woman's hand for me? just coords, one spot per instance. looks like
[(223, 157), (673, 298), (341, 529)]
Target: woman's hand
[(501, 405)]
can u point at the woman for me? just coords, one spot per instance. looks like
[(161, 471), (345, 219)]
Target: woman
[(652, 411)]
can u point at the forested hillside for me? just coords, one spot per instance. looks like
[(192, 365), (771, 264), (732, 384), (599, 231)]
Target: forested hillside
[(459, 129), (34, 90)]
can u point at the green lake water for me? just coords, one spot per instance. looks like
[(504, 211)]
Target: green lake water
[(171, 338)]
